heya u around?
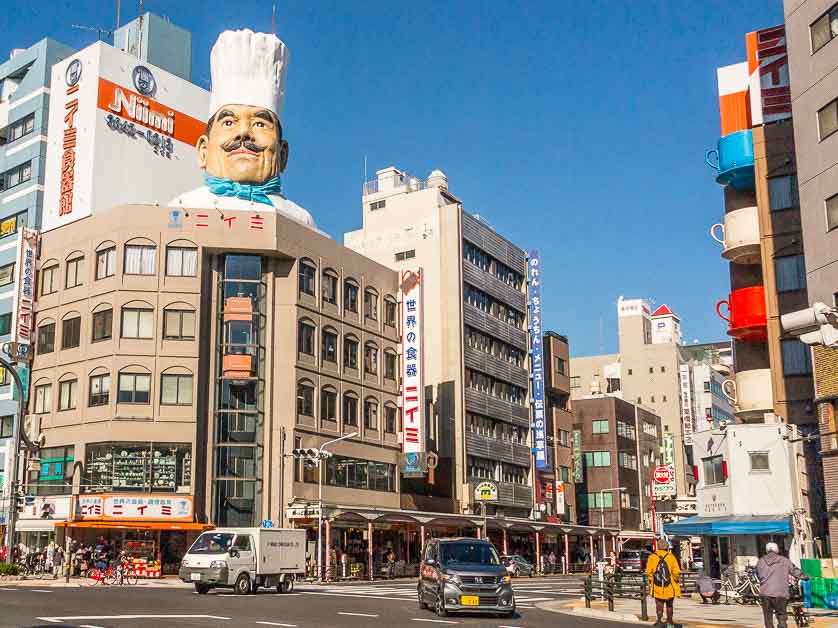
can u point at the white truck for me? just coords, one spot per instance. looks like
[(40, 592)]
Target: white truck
[(245, 559)]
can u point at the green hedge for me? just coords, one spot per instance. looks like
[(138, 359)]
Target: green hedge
[(9, 570)]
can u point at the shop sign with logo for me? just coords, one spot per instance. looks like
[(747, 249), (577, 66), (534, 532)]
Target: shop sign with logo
[(138, 507), (663, 481), (416, 465), (486, 492), (413, 397)]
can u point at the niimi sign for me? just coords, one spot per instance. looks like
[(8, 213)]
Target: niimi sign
[(536, 348), (413, 435), (24, 295)]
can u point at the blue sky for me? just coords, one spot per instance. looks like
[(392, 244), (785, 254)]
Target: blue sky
[(575, 127)]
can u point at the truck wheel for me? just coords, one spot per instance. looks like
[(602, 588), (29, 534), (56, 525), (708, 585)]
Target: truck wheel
[(201, 589), (286, 586), (243, 585)]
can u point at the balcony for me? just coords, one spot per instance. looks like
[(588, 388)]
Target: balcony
[(733, 160), (750, 393), (493, 326), (483, 403), (739, 236), (496, 367), (746, 314), (497, 449)]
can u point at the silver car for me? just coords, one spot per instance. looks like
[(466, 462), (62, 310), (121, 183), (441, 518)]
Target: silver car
[(518, 566)]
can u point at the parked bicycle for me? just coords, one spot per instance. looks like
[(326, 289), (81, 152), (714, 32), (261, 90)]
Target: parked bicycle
[(120, 575), (742, 590), (796, 608)]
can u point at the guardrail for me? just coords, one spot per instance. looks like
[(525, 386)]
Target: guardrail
[(619, 586)]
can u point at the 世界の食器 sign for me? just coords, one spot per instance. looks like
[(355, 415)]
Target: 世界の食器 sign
[(413, 434)]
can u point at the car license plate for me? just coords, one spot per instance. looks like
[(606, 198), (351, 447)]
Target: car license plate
[(469, 600), (196, 576)]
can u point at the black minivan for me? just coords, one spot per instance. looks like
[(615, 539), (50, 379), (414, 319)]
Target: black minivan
[(464, 575)]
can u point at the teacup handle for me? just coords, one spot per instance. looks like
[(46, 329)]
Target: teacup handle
[(730, 394), (719, 304), (718, 226)]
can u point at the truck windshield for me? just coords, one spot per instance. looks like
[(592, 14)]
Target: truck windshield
[(474, 553), (212, 543)]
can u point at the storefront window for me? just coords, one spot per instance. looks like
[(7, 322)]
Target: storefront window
[(356, 473), (138, 467)]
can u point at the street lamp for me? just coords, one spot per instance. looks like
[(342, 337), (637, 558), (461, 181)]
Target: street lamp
[(602, 512), (322, 455)]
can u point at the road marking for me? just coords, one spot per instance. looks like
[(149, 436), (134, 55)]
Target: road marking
[(89, 626), (273, 623), (436, 621), (377, 597), (509, 626), (56, 620), (358, 614), (6, 589), (40, 590)]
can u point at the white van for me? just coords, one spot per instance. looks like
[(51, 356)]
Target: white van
[(245, 559)]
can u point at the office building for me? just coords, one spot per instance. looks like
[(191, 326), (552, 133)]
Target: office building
[(560, 428)]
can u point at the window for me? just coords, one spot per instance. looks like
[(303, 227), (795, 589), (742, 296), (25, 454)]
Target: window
[(350, 297), (137, 323), (179, 325), (350, 410), (100, 389), (652, 399), (600, 426), (663, 369), (629, 371), (831, 212), (378, 205), (48, 478), (307, 272), (707, 387), (629, 461), (651, 369), (759, 462), (67, 394), (371, 359), (106, 263), (7, 274), (330, 288), (370, 305), (390, 309), (350, 353), (328, 404), (176, 390), (560, 366), (48, 283), (7, 426), (390, 419), (46, 338), (329, 348), (824, 29), (134, 388), (390, 360), (22, 127), (102, 325), (791, 273), (828, 120), (714, 472), (403, 255), (305, 338), (15, 176), (181, 261), (782, 192), (565, 473), (74, 272), (5, 323), (371, 414), (564, 438), (138, 467), (140, 259), (797, 359), (599, 500), (356, 473), (71, 332), (43, 398), (598, 458)]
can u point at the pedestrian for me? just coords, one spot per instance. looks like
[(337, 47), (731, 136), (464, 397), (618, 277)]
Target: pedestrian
[(664, 581), (391, 564), (551, 560), (773, 571), (57, 561)]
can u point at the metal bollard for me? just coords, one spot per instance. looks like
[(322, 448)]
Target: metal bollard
[(644, 612), (588, 586), (609, 593)]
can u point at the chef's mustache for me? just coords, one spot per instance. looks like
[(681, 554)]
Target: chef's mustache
[(237, 143)]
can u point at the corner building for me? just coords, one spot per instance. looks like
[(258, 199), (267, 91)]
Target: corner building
[(179, 358)]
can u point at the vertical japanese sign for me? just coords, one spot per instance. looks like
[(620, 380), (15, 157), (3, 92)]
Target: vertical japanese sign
[(23, 305), (577, 456), (560, 498), (768, 67), (687, 416), (536, 349), (413, 395), (72, 77)]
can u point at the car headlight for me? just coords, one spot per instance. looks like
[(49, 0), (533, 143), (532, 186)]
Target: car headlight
[(506, 579), (218, 564), (452, 579)]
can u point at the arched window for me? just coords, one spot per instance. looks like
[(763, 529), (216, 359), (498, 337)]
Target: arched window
[(179, 322), (46, 336), (74, 269), (176, 386), (371, 413), (370, 304), (350, 409), (305, 398), (328, 403), (307, 274), (350, 296), (391, 413), (134, 385), (140, 257), (102, 322), (391, 310), (329, 345), (100, 387), (71, 330), (181, 259), (350, 352), (106, 259), (137, 320), (49, 277), (330, 286), (391, 361), (306, 331), (371, 358)]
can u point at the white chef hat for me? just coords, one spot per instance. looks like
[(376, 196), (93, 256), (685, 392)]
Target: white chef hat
[(248, 69)]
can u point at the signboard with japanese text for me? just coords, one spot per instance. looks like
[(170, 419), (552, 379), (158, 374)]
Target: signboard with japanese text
[(560, 498), (413, 394), (23, 301), (768, 67), (150, 507), (539, 423), (687, 415), (577, 456), (486, 492)]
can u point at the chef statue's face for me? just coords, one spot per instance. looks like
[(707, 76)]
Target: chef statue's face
[(244, 144)]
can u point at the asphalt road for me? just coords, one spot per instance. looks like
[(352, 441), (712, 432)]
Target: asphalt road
[(310, 606)]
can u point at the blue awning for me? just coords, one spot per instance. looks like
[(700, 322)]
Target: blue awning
[(740, 524)]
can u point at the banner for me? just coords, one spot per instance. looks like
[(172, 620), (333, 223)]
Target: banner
[(131, 506), (537, 366), (577, 456), (24, 296), (413, 394), (560, 501)]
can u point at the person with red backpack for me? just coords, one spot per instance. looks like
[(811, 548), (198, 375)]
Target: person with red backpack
[(664, 575)]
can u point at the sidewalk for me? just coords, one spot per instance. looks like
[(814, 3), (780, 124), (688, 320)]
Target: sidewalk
[(688, 612), (47, 583)]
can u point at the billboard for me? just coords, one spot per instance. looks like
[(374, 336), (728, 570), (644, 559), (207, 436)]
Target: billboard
[(768, 80), (413, 394), (539, 424), (161, 507), (23, 300), (120, 132)]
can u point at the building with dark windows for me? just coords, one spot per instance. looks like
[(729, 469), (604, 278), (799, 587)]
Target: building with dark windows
[(560, 483)]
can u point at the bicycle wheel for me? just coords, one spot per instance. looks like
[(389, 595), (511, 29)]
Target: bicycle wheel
[(94, 576), (111, 577), (130, 578)]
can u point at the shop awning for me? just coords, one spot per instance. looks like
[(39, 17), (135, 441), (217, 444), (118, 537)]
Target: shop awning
[(720, 526), (135, 525), (36, 525)]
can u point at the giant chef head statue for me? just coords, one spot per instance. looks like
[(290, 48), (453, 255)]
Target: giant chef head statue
[(242, 151), (243, 141)]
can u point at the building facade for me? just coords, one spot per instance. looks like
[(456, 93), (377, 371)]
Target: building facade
[(560, 428), (810, 33)]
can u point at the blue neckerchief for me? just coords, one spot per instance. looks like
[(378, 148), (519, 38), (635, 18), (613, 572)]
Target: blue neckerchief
[(246, 191)]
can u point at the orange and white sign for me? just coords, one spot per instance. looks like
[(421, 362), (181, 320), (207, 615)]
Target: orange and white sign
[(127, 135), (768, 66), (146, 507)]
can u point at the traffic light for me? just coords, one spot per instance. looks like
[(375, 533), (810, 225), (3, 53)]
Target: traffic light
[(311, 453), (46, 511), (20, 501)]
